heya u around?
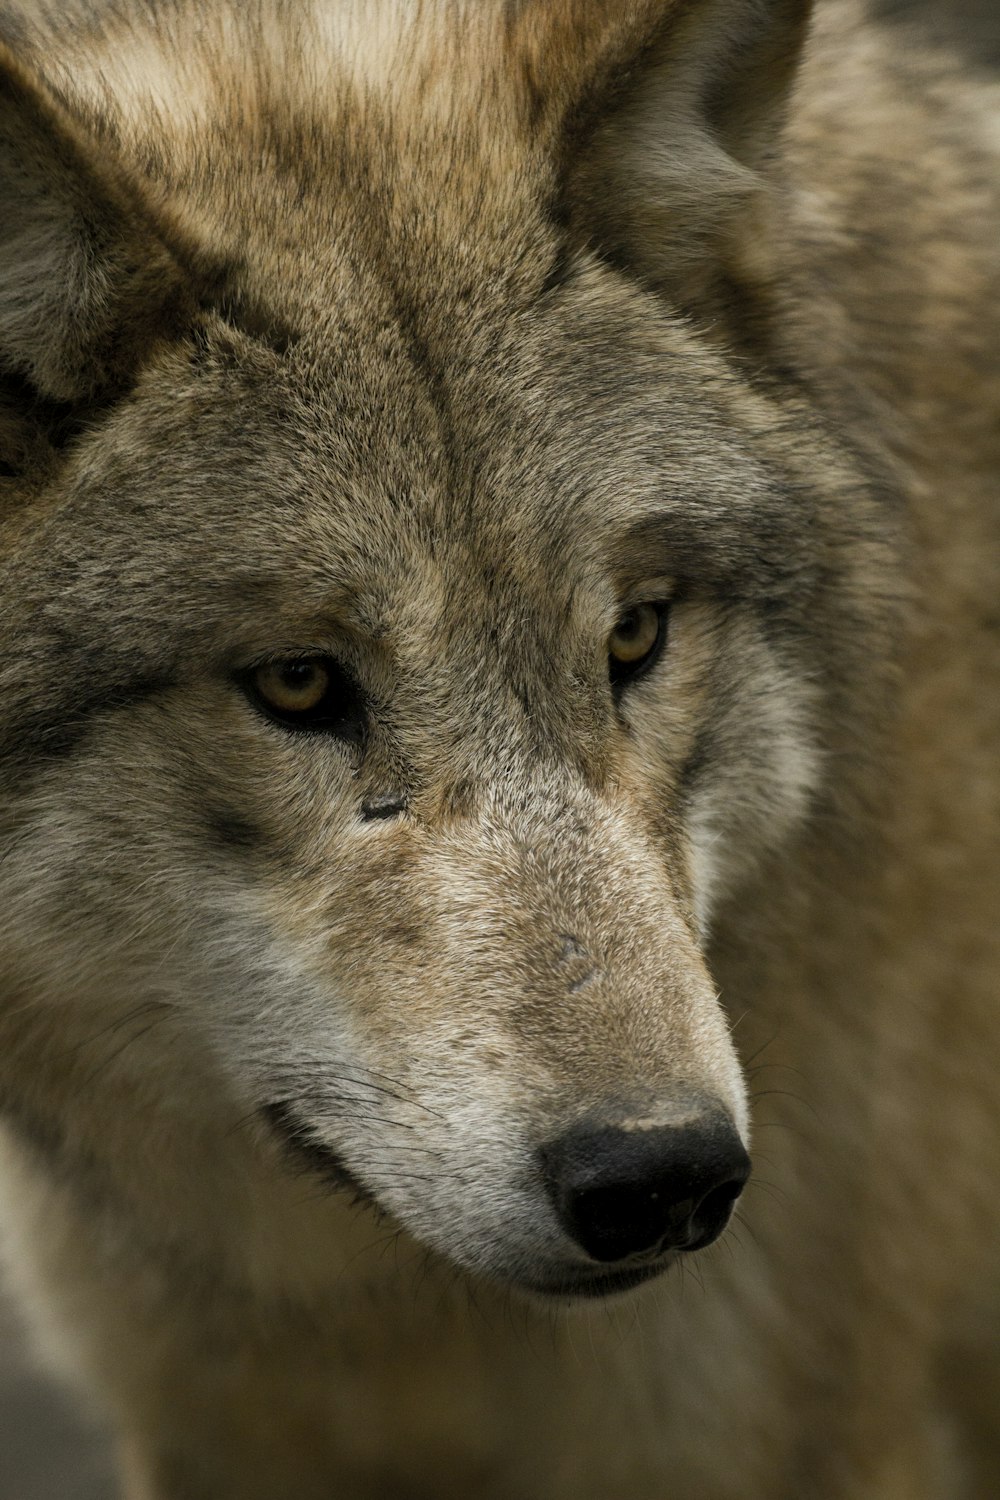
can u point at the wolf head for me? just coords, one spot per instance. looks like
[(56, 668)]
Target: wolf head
[(427, 596)]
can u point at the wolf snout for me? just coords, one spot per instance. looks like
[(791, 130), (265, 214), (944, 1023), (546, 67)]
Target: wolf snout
[(623, 1190)]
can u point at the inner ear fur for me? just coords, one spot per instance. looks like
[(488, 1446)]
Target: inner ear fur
[(87, 280), (673, 177)]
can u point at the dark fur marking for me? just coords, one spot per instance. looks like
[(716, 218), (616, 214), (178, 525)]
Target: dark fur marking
[(406, 934), (387, 805), (232, 831), (310, 1154), (738, 557), (52, 424), (460, 800), (258, 323), (696, 763), (35, 739), (425, 366)]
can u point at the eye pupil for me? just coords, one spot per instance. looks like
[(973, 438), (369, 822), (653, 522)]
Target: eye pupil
[(292, 686), (303, 683)]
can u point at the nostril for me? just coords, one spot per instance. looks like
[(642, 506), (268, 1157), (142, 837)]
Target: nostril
[(713, 1213), (625, 1192), (611, 1223)]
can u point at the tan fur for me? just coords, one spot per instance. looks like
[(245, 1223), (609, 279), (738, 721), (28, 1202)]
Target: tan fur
[(430, 338)]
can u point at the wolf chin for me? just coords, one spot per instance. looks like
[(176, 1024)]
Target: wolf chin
[(498, 517)]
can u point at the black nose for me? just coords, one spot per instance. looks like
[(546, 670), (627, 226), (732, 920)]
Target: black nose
[(621, 1192)]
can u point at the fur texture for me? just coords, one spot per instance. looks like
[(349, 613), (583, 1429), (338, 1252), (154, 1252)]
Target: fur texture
[(427, 340)]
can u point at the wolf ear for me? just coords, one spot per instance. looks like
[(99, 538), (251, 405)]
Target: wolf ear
[(673, 173), (86, 282)]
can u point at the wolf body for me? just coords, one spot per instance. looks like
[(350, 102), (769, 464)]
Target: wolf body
[(424, 343)]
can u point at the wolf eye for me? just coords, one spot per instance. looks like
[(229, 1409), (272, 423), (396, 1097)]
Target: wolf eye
[(636, 641), (309, 692)]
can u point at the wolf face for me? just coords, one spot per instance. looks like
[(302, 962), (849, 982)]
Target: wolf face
[(416, 627)]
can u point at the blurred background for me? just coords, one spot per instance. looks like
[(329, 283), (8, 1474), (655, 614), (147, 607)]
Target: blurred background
[(971, 25), (48, 1449)]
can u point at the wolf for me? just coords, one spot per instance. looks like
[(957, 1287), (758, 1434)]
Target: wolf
[(500, 703)]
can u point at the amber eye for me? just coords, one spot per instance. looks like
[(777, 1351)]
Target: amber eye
[(635, 642), (310, 692), (292, 687)]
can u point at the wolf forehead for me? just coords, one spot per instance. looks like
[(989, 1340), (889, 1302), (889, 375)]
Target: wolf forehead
[(347, 469)]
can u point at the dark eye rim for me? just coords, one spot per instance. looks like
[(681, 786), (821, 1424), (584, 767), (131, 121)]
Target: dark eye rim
[(340, 713), (622, 674)]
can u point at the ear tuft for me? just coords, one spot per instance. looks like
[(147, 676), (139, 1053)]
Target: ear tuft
[(86, 282), (675, 179)]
